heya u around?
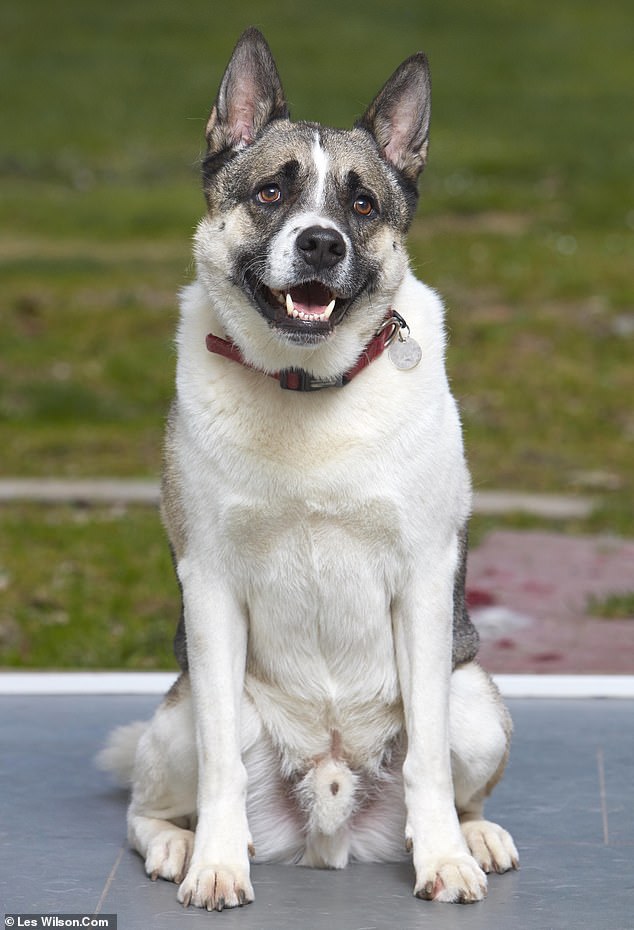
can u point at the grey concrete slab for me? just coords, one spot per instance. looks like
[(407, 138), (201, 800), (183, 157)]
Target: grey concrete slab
[(568, 798)]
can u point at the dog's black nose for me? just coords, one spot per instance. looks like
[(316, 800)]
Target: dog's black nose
[(321, 246)]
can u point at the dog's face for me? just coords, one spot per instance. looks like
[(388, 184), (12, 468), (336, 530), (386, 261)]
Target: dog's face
[(303, 244)]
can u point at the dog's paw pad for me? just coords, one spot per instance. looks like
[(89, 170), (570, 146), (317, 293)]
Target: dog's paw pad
[(491, 846), (215, 887), (457, 880), (169, 853)]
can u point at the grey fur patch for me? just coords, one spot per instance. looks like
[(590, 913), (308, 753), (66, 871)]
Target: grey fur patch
[(173, 696), (466, 639), (180, 642)]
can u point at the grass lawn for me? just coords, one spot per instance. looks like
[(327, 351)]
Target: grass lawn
[(526, 226)]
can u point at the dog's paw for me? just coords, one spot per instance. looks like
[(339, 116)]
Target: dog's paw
[(491, 846), (169, 853), (454, 879), (215, 887)]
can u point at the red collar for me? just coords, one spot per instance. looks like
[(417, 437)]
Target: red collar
[(298, 379)]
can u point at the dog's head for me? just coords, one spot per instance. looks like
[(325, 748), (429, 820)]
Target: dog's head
[(303, 245)]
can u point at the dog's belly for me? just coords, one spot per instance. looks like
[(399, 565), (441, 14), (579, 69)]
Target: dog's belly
[(321, 665)]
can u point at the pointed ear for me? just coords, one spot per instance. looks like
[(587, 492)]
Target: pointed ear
[(250, 96), (399, 115)]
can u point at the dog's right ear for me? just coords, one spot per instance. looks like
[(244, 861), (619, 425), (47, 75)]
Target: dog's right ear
[(250, 96)]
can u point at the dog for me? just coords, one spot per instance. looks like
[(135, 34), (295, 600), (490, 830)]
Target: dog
[(316, 498)]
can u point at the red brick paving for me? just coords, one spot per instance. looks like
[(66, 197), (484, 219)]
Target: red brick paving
[(539, 585)]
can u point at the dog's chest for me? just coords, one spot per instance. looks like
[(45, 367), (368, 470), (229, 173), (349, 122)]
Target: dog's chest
[(317, 576)]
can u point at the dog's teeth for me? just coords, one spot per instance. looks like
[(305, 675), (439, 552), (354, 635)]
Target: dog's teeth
[(293, 312)]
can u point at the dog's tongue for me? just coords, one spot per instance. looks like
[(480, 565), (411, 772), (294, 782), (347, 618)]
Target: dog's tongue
[(311, 298)]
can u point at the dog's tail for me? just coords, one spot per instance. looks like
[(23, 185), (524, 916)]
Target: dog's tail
[(327, 793), (118, 755)]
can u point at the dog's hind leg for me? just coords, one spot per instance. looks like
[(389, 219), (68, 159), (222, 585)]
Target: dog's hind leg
[(480, 729), (164, 777), (165, 846)]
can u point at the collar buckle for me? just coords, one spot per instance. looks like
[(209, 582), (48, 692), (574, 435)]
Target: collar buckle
[(298, 379)]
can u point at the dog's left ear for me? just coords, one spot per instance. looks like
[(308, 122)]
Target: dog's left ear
[(250, 96), (399, 115)]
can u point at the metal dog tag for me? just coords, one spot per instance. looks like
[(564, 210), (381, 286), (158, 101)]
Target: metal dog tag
[(405, 354)]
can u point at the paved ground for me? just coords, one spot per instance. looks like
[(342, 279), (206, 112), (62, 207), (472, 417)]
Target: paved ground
[(146, 491), (568, 799), (529, 594)]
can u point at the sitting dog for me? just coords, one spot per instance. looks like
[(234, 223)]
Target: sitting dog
[(316, 498)]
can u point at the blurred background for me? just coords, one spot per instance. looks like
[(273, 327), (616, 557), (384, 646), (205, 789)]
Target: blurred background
[(526, 226)]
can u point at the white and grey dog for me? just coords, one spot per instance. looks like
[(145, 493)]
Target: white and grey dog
[(316, 498)]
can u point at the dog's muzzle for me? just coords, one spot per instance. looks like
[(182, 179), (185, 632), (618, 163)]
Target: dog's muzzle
[(312, 303)]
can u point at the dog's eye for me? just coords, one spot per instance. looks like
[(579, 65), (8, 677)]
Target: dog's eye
[(268, 194), (363, 205)]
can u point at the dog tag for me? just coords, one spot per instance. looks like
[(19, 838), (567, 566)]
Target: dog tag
[(405, 354)]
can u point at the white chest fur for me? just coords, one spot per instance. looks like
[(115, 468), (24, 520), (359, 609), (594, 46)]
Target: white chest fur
[(316, 508)]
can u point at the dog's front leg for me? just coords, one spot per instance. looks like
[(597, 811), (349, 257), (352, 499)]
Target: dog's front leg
[(216, 626), (422, 617)]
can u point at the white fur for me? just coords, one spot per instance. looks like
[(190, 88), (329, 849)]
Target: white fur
[(118, 755), (320, 548), (322, 162), (288, 828)]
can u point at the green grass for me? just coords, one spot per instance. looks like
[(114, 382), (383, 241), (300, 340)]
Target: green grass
[(613, 607), (85, 588), (526, 226)]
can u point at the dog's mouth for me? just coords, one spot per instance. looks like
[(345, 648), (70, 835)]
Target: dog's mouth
[(308, 311)]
